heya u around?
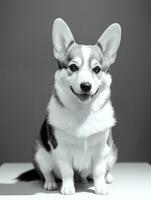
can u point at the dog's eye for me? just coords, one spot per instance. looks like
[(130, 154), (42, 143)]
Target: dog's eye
[(73, 67), (96, 69)]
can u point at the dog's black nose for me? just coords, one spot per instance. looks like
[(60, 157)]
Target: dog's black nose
[(85, 86)]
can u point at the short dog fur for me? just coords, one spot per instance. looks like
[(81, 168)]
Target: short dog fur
[(77, 132)]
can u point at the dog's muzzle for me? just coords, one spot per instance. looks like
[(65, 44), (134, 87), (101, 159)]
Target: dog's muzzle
[(83, 97)]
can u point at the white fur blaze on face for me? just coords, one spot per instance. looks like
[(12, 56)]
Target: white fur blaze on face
[(86, 51), (84, 75)]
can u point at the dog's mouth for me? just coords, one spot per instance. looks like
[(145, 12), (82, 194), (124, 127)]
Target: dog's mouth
[(84, 97)]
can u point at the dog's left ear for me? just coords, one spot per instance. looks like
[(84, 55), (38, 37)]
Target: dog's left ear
[(109, 43), (62, 37)]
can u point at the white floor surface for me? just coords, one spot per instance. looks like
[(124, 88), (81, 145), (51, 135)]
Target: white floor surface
[(131, 181)]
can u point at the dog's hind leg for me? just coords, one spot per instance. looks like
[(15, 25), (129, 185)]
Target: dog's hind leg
[(109, 178), (110, 163), (44, 162), (112, 158)]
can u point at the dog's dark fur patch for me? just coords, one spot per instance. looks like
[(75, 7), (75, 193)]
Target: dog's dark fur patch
[(52, 137), (61, 65), (44, 135), (47, 136)]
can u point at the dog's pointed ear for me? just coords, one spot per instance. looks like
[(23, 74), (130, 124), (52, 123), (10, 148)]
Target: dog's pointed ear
[(62, 37), (109, 43)]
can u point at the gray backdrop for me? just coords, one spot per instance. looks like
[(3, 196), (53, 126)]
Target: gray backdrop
[(27, 69)]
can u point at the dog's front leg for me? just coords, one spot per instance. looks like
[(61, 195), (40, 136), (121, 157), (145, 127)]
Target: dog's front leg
[(67, 179), (99, 171), (67, 174)]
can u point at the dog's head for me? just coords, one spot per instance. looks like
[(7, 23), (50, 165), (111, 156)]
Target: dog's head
[(82, 72)]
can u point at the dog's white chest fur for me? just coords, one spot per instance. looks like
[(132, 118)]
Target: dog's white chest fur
[(80, 133), (81, 150), (80, 123)]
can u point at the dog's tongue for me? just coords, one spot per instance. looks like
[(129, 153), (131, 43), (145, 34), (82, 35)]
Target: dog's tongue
[(84, 97)]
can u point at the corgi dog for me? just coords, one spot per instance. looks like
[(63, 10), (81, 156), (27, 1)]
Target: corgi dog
[(77, 131)]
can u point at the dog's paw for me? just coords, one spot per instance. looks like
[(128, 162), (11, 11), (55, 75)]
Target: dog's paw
[(101, 189), (68, 188), (109, 178), (50, 185)]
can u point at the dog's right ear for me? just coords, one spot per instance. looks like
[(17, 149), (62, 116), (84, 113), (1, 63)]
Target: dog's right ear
[(62, 37), (109, 43)]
